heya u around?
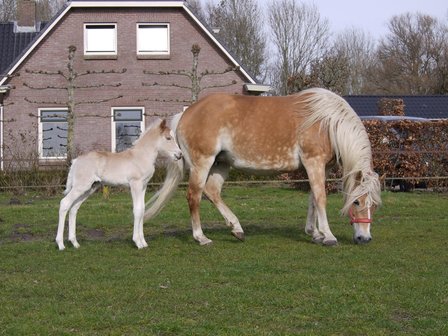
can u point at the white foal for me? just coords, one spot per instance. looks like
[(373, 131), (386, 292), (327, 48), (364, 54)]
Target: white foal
[(133, 167)]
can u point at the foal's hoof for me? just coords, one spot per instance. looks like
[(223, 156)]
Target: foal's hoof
[(330, 242), (239, 236)]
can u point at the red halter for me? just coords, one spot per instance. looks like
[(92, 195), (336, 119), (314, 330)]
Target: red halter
[(353, 219)]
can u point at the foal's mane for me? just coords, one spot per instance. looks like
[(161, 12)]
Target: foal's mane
[(153, 126), (349, 140)]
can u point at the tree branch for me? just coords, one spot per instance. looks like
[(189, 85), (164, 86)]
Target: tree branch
[(98, 101), (45, 102), (102, 72)]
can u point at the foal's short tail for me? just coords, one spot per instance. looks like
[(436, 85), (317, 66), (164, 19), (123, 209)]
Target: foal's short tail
[(69, 184), (175, 174)]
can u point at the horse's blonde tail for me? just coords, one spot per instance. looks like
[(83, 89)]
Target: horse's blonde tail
[(175, 174), (69, 184)]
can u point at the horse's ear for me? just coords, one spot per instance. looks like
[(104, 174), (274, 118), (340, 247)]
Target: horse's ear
[(383, 178), (163, 125)]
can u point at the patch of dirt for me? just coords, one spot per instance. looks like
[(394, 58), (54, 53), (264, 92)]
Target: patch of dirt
[(21, 232), (95, 234)]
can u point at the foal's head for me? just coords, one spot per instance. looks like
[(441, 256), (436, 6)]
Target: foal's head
[(168, 146)]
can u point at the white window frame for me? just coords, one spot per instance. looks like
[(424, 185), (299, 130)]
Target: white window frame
[(143, 50), (113, 122), (88, 50), (41, 135)]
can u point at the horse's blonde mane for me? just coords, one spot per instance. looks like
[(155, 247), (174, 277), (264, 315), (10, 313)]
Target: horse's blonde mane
[(349, 140)]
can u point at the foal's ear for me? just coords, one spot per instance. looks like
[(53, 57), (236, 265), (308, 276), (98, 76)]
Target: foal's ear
[(163, 125)]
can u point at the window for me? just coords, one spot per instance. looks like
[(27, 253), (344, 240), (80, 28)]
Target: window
[(100, 39), (127, 126), (53, 133), (153, 39)]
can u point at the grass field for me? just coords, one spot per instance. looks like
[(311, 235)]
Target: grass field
[(275, 283)]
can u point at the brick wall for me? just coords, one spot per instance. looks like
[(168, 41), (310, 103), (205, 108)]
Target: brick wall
[(93, 123)]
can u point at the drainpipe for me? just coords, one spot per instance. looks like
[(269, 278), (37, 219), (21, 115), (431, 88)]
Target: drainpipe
[(3, 91), (1, 134)]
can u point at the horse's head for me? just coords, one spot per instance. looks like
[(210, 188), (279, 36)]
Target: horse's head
[(362, 208), (168, 145), (361, 214)]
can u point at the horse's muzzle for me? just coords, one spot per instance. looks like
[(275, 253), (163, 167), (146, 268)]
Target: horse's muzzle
[(361, 240), (177, 156)]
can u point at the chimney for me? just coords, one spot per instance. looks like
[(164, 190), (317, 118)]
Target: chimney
[(26, 16)]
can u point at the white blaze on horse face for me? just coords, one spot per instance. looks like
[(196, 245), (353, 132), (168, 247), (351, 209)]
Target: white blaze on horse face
[(362, 228)]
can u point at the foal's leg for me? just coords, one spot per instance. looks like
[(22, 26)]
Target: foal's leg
[(74, 211), (311, 221), (65, 205), (316, 175), (138, 189), (218, 174), (198, 177)]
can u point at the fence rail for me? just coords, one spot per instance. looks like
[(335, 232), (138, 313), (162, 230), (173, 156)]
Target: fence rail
[(245, 182)]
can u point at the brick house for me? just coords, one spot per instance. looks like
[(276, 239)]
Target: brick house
[(118, 49)]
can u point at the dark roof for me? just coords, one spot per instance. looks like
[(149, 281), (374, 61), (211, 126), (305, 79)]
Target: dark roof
[(13, 43), (430, 107)]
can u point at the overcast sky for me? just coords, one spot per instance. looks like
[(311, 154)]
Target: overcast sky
[(372, 16)]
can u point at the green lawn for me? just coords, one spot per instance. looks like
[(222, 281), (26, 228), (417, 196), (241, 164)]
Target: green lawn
[(275, 283)]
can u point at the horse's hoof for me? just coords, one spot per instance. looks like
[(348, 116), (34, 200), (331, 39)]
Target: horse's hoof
[(239, 236), (318, 240), (330, 242), (206, 242)]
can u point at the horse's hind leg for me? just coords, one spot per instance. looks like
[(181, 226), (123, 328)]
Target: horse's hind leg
[(218, 174), (198, 177), (65, 205), (74, 211)]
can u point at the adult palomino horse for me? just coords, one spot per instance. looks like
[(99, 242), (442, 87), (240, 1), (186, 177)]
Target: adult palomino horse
[(314, 129), (133, 167)]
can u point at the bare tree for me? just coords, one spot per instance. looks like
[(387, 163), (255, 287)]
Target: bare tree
[(358, 48), (300, 37), (45, 9), (241, 30), (194, 78), (412, 57), (7, 10), (69, 79), (197, 9)]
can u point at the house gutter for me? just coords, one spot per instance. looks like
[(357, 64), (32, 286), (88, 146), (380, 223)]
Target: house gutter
[(3, 90)]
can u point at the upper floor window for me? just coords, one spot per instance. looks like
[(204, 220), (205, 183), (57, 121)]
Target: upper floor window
[(127, 125), (53, 133), (153, 39), (100, 39)]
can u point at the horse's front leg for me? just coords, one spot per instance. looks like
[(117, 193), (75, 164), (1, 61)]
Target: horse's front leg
[(138, 189), (316, 176), (311, 221)]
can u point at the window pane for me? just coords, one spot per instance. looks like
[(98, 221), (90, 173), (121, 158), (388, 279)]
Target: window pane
[(126, 133), (153, 38), (54, 133), (128, 115), (127, 127), (54, 115), (100, 38)]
